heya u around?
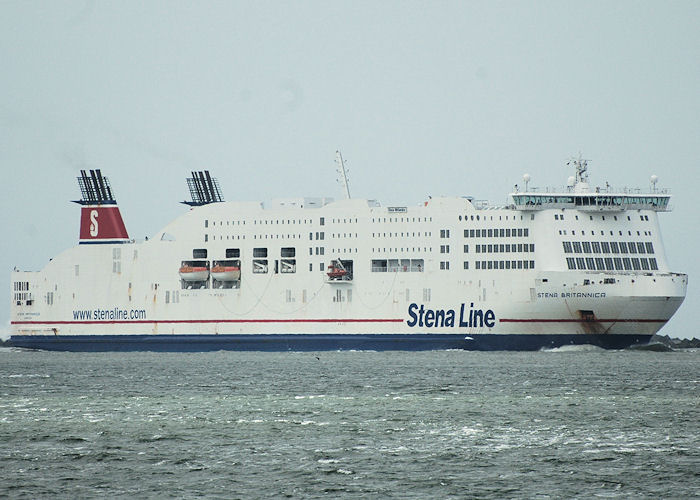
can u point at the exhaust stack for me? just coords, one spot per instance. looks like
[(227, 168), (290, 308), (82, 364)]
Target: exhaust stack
[(100, 219)]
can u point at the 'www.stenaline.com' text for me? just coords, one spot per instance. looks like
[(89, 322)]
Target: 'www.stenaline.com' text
[(114, 314)]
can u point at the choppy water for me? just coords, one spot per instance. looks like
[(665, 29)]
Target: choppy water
[(580, 423)]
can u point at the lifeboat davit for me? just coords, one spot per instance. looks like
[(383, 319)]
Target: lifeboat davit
[(226, 273), (194, 273)]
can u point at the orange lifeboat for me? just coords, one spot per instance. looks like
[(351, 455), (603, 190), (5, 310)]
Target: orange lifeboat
[(337, 273), (226, 273), (194, 273)]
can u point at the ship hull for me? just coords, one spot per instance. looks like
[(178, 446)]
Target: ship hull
[(321, 342)]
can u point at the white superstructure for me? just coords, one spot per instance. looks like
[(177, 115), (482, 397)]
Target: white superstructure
[(576, 265)]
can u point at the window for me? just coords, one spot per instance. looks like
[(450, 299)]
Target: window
[(609, 266), (288, 252), (199, 253), (379, 266), (596, 247), (466, 248), (599, 265), (653, 264), (233, 253), (444, 248), (259, 252), (580, 263), (623, 247), (567, 247), (586, 247), (614, 247), (640, 247), (444, 265), (444, 233), (577, 247), (650, 247), (466, 264), (606, 247)]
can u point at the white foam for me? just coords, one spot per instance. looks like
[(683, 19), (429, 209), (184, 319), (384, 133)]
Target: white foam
[(575, 348)]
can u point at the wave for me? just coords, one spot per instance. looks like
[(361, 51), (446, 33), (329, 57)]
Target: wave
[(574, 348)]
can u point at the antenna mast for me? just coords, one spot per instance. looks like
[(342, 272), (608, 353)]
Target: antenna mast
[(343, 173), (581, 167)]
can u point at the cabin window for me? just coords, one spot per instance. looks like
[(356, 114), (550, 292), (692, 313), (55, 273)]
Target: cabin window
[(288, 252), (233, 253), (199, 253), (259, 252)]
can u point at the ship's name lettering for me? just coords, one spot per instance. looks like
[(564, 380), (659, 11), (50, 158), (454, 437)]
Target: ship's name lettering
[(571, 295), (440, 318)]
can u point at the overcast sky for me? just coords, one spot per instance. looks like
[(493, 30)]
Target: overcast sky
[(423, 98)]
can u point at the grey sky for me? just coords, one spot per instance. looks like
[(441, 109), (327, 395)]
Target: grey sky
[(423, 98)]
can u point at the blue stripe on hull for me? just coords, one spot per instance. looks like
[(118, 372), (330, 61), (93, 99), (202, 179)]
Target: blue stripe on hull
[(318, 342)]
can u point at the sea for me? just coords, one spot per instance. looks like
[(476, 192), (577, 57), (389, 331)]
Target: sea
[(575, 422)]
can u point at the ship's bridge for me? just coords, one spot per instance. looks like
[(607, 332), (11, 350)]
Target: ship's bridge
[(580, 196), (609, 202)]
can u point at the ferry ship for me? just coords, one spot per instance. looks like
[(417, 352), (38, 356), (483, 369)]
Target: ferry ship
[(576, 265)]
